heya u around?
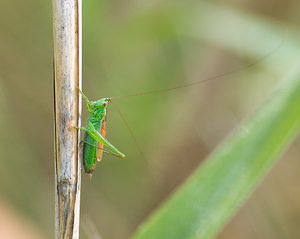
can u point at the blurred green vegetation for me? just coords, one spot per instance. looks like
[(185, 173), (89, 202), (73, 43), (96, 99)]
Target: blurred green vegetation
[(136, 46), (215, 191)]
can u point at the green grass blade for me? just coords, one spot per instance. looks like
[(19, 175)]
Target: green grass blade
[(211, 196)]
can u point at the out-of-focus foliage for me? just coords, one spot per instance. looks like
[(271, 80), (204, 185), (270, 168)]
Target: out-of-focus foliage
[(136, 46), (213, 194)]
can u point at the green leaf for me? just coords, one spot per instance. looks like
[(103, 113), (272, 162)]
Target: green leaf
[(213, 194)]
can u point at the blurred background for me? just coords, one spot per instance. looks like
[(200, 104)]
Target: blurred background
[(132, 47)]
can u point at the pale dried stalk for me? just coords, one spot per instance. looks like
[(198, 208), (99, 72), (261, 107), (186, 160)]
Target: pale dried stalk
[(67, 109)]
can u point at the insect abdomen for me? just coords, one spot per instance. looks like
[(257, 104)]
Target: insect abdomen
[(89, 152)]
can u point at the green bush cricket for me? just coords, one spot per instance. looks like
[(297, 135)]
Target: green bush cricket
[(94, 137)]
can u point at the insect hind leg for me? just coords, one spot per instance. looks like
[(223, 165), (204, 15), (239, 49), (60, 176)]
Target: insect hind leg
[(103, 149)]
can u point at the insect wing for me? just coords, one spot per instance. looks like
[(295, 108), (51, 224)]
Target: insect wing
[(100, 145)]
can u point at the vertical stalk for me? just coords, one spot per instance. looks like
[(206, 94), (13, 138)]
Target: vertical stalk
[(67, 110)]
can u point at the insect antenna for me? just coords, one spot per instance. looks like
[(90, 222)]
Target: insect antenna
[(129, 129), (153, 169), (216, 77)]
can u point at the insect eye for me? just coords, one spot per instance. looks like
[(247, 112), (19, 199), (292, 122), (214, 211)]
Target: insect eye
[(104, 103)]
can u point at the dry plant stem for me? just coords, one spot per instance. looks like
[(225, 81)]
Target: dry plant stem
[(67, 110)]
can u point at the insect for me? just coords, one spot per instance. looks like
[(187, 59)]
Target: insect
[(94, 137)]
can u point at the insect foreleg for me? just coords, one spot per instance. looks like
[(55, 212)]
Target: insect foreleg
[(83, 96), (86, 100)]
